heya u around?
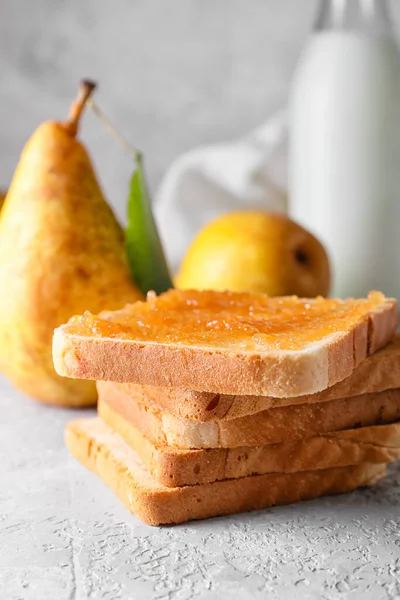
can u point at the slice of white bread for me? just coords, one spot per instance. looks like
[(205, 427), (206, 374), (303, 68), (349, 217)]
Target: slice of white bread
[(176, 467), (271, 426), (228, 343), (105, 452), (378, 372)]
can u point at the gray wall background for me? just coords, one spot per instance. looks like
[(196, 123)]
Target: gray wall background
[(172, 74)]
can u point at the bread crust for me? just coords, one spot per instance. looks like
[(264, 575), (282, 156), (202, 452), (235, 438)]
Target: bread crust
[(105, 453), (175, 467), (379, 372), (272, 426), (280, 374)]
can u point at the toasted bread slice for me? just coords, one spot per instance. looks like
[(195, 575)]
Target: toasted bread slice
[(105, 452), (225, 342), (175, 467), (378, 372), (271, 426)]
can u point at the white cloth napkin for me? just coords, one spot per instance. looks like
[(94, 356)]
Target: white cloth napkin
[(249, 173)]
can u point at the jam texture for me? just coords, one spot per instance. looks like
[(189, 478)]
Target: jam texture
[(245, 321)]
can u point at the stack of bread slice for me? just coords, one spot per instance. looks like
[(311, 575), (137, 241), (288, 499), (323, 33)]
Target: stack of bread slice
[(214, 403)]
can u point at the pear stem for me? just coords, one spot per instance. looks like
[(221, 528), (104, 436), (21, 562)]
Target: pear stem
[(86, 88), (113, 130)]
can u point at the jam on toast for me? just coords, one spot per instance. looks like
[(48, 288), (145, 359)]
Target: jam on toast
[(227, 342)]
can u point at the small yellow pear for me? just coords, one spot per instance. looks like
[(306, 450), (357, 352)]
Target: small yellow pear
[(256, 251), (62, 252)]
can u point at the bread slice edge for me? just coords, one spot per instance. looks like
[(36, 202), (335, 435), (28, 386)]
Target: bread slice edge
[(279, 374), (175, 467), (105, 453)]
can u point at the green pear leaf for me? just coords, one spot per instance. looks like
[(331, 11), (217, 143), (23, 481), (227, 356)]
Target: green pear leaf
[(146, 256)]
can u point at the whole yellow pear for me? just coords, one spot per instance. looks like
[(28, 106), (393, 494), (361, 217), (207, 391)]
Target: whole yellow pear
[(256, 251), (61, 252)]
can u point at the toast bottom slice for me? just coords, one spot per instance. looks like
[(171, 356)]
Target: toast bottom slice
[(176, 467), (105, 453)]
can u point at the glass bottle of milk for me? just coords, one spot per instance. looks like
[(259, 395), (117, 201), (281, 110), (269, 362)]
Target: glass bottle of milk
[(344, 144)]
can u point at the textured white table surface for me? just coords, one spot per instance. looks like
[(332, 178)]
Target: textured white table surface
[(64, 536), (172, 75)]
